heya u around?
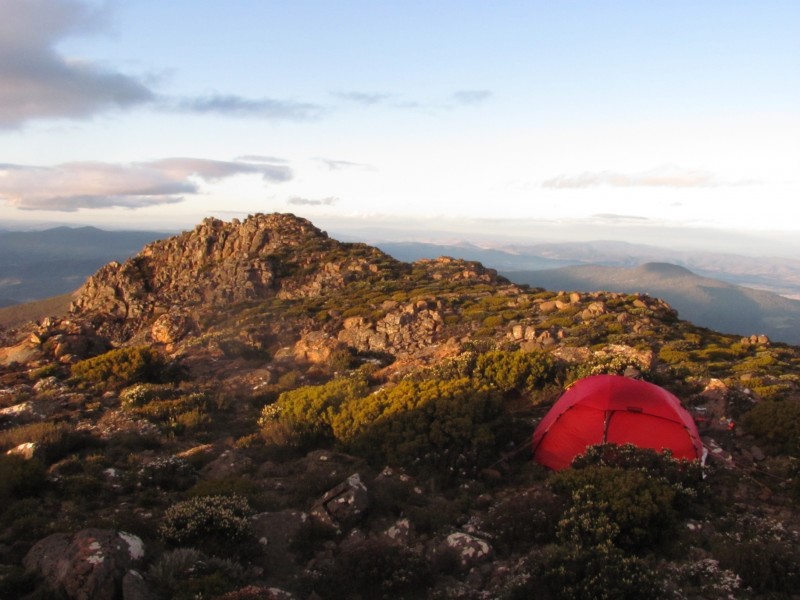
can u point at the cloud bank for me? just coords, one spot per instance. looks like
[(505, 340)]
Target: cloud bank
[(457, 99), (660, 177), (37, 82), (298, 201), (72, 186)]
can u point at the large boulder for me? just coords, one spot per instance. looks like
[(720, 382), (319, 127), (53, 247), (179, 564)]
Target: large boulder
[(230, 463), (467, 550), (88, 565), (343, 505), (276, 532)]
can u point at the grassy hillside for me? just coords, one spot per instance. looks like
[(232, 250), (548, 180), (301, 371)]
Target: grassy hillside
[(11, 316)]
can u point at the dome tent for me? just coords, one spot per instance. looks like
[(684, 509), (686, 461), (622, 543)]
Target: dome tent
[(614, 409)]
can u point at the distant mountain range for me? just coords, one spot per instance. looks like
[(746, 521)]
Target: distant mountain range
[(729, 302), (704, 301), (774, 274), (51, 262), (730, 293)]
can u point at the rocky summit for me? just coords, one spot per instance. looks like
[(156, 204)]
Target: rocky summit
[(253, 410)]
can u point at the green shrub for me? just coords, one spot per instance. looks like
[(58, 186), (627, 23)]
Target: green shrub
[(493, 321), (444, 426), (702, 578), (626, 508), (26, 518), (227, 486), (167, 473), (457, 367), (776, 424), (123, 366), (685, 477), (762, 551), (514, 371), (20, 478), (523, 520), (213, 523), (186, 413), (16, 582), (601, 364), (374, 569), (308, 409), (186, 574), (598, 572), (143, 393), (45, 433)]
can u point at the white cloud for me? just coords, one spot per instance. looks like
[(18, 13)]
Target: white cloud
[(237, 106), (36, 81), (298, 201), (364, 98), (337, 165), (456, 99), (89, 185), (667, 176), (471, 96)]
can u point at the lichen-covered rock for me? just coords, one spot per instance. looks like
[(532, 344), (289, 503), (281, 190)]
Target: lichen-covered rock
[(469, 551), (343, 505), (89, 565)]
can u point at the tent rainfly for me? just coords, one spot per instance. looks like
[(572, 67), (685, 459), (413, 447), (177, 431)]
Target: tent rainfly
[(614, 409)]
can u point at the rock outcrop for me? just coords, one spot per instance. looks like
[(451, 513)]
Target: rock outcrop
[(216, 264)]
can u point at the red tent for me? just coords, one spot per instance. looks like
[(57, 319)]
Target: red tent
[(614, 409)]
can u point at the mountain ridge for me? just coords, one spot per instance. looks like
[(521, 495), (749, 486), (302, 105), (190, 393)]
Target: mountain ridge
[(705, 301), (371, 420)]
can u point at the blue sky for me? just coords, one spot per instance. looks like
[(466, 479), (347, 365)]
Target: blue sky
[(526, 120)]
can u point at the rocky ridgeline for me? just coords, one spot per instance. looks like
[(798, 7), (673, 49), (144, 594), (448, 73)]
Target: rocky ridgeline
[(352, 298), (165, 290), (276, 285), (216, 264)]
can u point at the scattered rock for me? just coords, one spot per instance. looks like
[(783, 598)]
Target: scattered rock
[(468, 550), (28, 451), (24, 412), (89, 564), (400, 533), (344, 505), (231, 463), (757, 454), (134, 587)]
